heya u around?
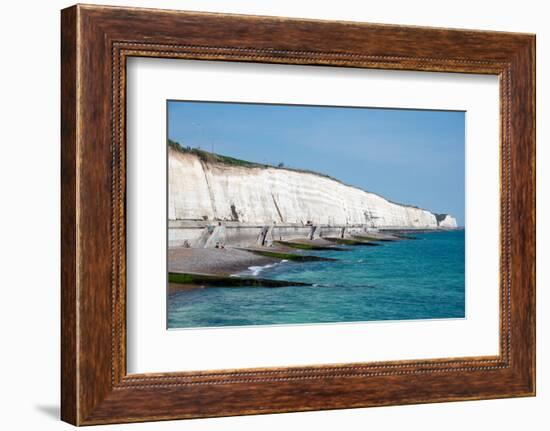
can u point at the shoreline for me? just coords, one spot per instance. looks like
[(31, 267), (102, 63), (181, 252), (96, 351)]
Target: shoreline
[(230, 261), (222, 262), (207, 266), (363, 284)]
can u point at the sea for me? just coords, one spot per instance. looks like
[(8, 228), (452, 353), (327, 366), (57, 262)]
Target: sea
[(421, 278)]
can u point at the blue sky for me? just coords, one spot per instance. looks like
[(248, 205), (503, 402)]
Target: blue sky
[(408, 156)]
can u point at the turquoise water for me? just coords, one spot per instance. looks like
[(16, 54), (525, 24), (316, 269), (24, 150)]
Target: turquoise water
[(409, 279)]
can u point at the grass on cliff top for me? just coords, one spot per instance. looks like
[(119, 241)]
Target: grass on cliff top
[(209, 157)]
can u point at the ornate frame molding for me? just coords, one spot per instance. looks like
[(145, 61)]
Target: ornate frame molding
[(96, 41)]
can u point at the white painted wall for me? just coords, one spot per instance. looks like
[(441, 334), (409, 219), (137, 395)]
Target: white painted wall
[(29, 174)]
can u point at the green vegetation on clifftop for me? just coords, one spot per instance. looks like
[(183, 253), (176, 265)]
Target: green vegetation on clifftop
[(208, 157)]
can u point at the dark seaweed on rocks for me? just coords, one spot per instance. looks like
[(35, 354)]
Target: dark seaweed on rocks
[(219, 280)]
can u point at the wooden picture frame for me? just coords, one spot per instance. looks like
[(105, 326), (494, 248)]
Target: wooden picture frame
[(95, 43)]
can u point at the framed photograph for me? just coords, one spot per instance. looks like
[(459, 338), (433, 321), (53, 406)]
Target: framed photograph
[(264, 214)]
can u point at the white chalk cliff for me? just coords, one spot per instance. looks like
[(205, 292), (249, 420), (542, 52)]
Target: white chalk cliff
[(446, 221), (200, 190)]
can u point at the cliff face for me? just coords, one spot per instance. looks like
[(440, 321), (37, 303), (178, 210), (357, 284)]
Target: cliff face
[(201, 190), (446, 221)]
